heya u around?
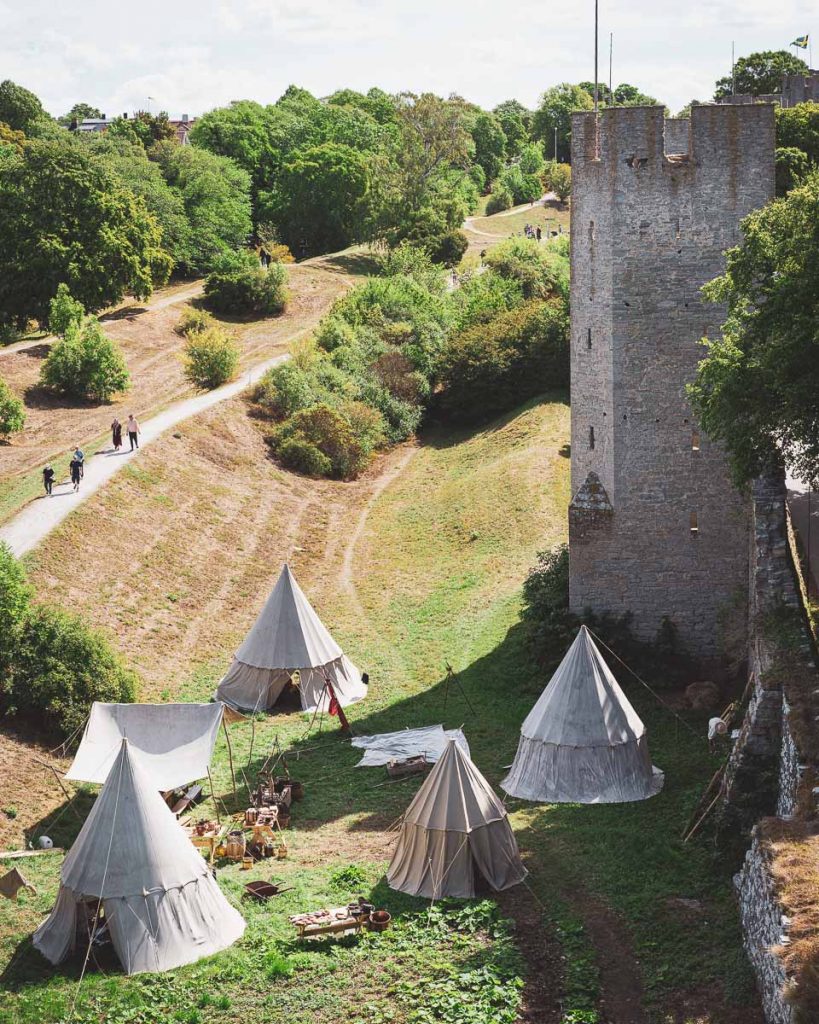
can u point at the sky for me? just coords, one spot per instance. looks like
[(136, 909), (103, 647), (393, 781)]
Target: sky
[(192, 55)]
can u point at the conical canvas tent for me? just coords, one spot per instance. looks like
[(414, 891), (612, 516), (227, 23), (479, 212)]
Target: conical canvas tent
[(455, 826), (583, 742), (162, 905), (289, 637)]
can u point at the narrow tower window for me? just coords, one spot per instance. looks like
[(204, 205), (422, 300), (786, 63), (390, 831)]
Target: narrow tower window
[(591, 232), (695, 440), (694, 527), (591, 437), (588, 338)]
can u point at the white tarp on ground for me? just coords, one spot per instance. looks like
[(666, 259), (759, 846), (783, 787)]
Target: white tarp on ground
[(289, 637), (456, 826), (430, 740), (161, 902), (583, 742), (174, 741)]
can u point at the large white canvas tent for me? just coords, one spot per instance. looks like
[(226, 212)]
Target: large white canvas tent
[(456, 826), (175, 741), (429, 741), (583, 742), (289, 637), (161, 904)]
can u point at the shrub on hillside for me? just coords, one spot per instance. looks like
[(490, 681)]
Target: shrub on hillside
[(12, 412), (86, 363), (15, 596), (302, 456), (449, 248), (558, 179), (193, 321), (60, 667), (211, 358), (481, 297), (413, 262), (541, 270), (333, 333), (64, 311), (240, 286), (490, 368), (500, 198), (283, 390), (326, 430)]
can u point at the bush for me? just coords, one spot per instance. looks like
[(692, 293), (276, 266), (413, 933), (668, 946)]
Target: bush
[(60, 668), (64, 311), (15, 596), (211, 358), (449, 248), (482, 297), (333, 333), (329, 432), (284, 390), (12, 411), (500, 199), (239, 285), (86, 363), (559, 180), (541, 270), (193, 321), (367, 425), (791, 166), (303, 457), (490, 368)]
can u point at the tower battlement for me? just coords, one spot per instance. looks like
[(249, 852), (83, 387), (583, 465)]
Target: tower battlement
[(655, 203)]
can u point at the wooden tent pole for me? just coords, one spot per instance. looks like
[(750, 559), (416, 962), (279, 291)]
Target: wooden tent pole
[(213, 795), (230, 760)]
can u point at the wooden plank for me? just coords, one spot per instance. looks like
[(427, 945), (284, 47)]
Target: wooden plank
[(15, 854)]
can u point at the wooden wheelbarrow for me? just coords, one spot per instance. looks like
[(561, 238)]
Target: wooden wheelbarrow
[(263, 891)]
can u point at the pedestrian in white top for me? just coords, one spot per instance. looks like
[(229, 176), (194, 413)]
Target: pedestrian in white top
[(133, 431)]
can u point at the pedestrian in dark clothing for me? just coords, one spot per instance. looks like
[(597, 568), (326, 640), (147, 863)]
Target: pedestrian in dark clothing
[(539, 234), (133, 432), (76, 472), (48, 479), (79, 455), (116, 434)]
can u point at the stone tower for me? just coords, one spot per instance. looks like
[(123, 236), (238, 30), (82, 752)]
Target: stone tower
[(655, 526)]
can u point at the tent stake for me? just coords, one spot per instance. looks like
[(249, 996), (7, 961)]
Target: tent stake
[(230, 760), (252, 738)]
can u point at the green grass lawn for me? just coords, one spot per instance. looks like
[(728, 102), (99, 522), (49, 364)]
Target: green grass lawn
[(548, 217), (436, 578)]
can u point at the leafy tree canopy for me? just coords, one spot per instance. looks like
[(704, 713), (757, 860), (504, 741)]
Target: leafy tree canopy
[(490, 144), (759, 74), (20, 109), (79, 112), (555, 112), (143, 128), (756, 390), (798, 128), (65, 217)]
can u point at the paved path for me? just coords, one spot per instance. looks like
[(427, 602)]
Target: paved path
[(41, 516)]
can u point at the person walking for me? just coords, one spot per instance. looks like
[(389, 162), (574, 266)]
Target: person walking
[(539, 233), (48, 478), (133, 431), (79, 455), (116, 434), (76, 472)]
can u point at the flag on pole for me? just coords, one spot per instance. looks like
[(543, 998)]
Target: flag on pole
[(801, 42)]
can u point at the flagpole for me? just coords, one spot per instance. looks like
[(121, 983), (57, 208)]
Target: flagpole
[(611, 53), (733, 71)]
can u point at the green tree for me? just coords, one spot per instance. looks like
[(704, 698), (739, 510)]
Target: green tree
[(760, 74), (247, 133), (12, 412), (143, 128), (65, 217), (64, 311), (516, 121), (211, 358), (15, 598), (791, 167), (490, 144), (319, 202), (560, 181), (11, 141), (19, 108), (239, 285), (756, 389), (555, 112), (85, 364), (79, 112), (216, 196), (798, 128)]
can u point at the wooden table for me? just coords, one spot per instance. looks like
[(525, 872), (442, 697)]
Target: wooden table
[(310, 929)]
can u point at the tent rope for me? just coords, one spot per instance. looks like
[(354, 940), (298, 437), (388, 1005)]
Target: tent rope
[(102, 890), (653, 693)]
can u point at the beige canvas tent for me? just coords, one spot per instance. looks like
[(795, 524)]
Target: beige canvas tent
[(175, 741), (160, 902), (583, 742), (454, 828), (288, 638)]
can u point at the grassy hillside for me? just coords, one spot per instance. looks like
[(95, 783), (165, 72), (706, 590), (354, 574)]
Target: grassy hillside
[(417, 564)]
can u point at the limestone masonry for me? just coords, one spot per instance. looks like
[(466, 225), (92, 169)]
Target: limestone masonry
[(655, 526)]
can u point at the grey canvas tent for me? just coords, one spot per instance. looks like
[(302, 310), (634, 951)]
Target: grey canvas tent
[(175, 741), (161, 903), (583, 742), (454, 828), (288, 638)]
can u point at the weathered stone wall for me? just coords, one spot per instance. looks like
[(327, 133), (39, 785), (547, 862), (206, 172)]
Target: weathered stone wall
[(650, 223), (800, 89), (763, 928)]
